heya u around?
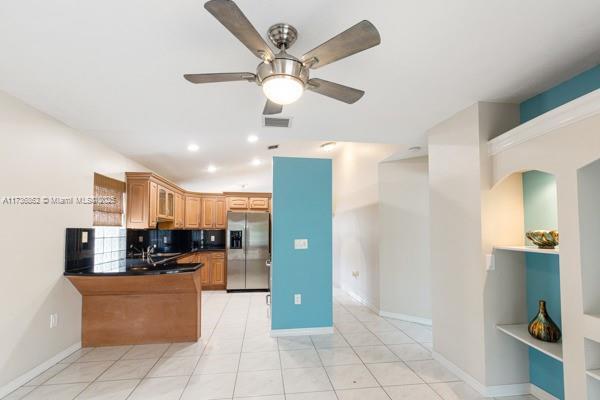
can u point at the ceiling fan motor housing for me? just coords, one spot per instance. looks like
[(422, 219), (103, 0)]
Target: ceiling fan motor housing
[(283, 64)]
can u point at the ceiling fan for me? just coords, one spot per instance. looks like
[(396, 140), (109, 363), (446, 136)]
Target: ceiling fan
[(282, 76)]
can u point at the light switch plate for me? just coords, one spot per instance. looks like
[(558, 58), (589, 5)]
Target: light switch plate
[(490, 262), (297, 299), (301, 244)]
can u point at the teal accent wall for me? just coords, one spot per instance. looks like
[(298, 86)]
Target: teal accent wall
[(540, 201), (543, 275), (581, 84), (302, 209)]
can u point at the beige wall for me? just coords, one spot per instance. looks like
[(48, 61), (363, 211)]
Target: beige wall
[(460, 174), (356, 218), (41, 156), (405, 279)]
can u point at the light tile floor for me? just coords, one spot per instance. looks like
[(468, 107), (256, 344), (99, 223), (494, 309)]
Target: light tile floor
[(368, 357)]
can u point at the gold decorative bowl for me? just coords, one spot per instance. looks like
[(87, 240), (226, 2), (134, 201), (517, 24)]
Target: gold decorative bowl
[(543, 239)]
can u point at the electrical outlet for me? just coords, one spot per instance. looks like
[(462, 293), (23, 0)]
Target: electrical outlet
[(297, 299), (140, 239), (301, 244), (164, 239), (212, 238)]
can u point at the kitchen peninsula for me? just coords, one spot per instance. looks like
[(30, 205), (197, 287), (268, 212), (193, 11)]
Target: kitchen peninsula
[(156, 300)]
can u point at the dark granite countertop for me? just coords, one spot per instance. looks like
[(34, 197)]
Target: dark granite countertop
[(159, 264)]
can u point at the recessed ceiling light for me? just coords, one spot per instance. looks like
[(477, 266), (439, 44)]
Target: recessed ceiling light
[(252, 138), (256, 162), (211, 168), (328, 146), (193, 147)]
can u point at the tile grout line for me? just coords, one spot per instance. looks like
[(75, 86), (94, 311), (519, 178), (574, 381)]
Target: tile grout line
[(241, 348), (147, 372), (361, 360), (324, 368), (204, 347), (405, 363)]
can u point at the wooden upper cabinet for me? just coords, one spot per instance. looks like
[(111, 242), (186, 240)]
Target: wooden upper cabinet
[(163, 203), (138, 197), (208, 213), (153, 202), (258, 203), (179, 210), (192, 212), (252, 202), (220, 213), (237, 203), (214, 213)]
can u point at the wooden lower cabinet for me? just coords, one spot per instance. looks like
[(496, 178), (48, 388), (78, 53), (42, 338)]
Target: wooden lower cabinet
[(217, 270), (213, 276)]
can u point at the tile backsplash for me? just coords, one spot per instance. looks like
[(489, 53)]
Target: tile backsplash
[(168, 241)]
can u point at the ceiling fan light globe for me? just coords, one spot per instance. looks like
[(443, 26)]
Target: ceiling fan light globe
[(282, 89)]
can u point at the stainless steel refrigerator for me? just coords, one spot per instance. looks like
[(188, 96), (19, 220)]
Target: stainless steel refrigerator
[(248, 250)]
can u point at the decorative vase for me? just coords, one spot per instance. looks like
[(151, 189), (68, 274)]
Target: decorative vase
[(543, 239), (542, 327)]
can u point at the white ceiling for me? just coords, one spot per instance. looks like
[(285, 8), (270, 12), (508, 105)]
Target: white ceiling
[(113, 69)]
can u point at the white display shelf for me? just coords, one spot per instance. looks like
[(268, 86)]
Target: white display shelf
[(528, 249), (521, 333), (593, 373)]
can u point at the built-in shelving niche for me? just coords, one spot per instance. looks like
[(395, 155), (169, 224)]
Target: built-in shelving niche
[(522, 274), (592, 368), (588, 182)]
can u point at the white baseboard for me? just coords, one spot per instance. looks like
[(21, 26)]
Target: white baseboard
[(301, 331), (487, 391), (541, 393), (386, 314), (29, 375), (407, 318), (360, 299)]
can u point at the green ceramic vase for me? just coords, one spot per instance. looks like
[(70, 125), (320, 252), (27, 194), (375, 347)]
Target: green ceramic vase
[(542, 327)]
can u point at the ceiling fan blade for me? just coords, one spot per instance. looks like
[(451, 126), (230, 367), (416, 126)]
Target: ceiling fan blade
[(229, 14), (223, 77), (361, 36), (272, 108), (335, 90)]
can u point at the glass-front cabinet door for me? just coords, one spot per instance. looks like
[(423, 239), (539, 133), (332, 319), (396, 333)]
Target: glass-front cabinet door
[(170, 205), (162, 202)]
